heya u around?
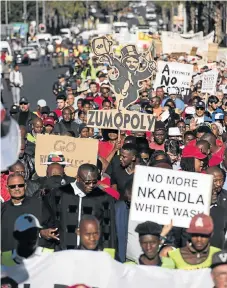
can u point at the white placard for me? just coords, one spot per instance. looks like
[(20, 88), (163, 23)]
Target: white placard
[(160, 195), (209, 82), (173, 74)]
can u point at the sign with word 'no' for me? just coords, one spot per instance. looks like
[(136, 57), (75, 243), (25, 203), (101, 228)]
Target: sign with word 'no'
[(76, 151), (160, 195), (173, 74)]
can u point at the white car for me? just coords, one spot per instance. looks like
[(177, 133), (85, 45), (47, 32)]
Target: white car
[(130, 15), (151, 16), (32, 53)]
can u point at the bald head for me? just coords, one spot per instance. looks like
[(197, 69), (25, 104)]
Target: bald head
[(209, 137), (37, 125), (87, 168), (214, 170), (89, 219), (203, 146), (55, 169)]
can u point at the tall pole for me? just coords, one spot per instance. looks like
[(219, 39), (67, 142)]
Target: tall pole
[(6, 12), (37, 15), (25, 18), (44, 12)]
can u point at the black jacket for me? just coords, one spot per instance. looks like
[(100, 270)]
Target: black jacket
[(31, 116), (62, 127), (10, 212), (65, 205)]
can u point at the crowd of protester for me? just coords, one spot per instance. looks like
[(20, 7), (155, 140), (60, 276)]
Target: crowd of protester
[(91, 211)]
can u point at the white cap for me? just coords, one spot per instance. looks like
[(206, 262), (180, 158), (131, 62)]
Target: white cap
[(42, 103), (172, 91), (25, 222), (190, 110), (174, 131), (181, 58)]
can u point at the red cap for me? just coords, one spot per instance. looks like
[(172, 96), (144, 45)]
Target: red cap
[(193, 152), (201, 224), (48, 121)]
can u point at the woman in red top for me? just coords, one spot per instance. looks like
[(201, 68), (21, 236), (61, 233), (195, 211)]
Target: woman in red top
[(110, 144)]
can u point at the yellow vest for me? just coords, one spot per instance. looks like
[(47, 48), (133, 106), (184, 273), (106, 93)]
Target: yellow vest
[(166, 263), (31, 138), (175, 255), (8, 261), (110, 251)]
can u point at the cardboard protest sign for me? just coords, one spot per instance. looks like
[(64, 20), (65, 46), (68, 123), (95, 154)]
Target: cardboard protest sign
[(212, 52), (126, 120), (75, 150), (160, 195), (173, 74), (209, 81), (125, 79)]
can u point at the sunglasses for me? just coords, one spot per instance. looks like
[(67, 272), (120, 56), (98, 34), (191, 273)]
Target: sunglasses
[(16, 185), (89, 182), (200, 108), (23, 103)]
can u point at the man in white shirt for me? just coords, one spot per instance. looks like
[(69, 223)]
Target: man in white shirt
[(16, 82)]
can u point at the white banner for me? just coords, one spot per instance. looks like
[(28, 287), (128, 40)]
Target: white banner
[(160, 195), (209, 81), (98, 269), (173, 74)]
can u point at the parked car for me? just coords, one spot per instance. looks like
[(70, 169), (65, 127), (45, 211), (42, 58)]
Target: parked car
[(32, 53), (21, 57), (151, 16)]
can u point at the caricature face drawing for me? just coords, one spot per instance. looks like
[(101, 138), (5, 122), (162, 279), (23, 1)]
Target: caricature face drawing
[(131, 63)]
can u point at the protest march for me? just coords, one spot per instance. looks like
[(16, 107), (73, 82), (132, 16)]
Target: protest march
[(123, 181)]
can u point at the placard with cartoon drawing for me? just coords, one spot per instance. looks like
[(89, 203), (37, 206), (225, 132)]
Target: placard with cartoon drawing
[(126, 73)]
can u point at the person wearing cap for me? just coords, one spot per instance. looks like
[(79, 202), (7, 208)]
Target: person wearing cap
[(59, 86), (104, 94), (14, 109), (174, 133), (48, 124), (212, 107), (173, 92), (20, 204), (61, 104), (219, 269), (41, 103), (26, 233), (150, 241), (45, 112), (89, 234), (192, 159), (16, 82), (200, 116), (198, 252), (159, 136), (25, 116)]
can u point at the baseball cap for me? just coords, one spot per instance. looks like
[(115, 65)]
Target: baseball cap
[(45, 110), (14, 109), (48, 121), (200, 104), (41, 103), (25, 222), (61, 76), (201, 224), (219, 258), (23, 100), (174, 131), (192, 152)]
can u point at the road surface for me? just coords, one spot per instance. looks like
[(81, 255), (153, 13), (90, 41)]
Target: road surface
[(38, 83)]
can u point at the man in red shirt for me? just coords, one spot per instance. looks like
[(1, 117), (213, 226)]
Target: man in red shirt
[(61, 104), (159, 136)]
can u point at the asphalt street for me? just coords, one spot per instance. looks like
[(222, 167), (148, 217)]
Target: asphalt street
[(38, 83)]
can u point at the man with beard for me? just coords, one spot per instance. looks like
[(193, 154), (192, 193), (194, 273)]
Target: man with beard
[(26, 233), (218, 208), (66, 124), (198, 251), (20, 204), (159, 136), (25, 116), (79, 198), (125, 171)]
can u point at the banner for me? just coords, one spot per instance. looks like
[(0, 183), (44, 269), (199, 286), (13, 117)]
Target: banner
[(161, 195), (76, 151), (124, 120), (209, 81), (173, 74), (68, 268)]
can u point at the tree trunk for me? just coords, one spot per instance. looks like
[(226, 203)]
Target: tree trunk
[(218, 22), (193, 16)]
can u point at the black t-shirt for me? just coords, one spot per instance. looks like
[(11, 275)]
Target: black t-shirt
[(120, 177), (113, 165), (23, 118)]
